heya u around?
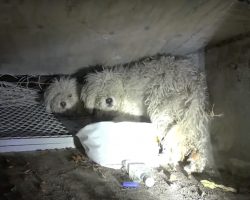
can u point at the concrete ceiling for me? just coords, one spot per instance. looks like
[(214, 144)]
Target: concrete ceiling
[(51, 37)]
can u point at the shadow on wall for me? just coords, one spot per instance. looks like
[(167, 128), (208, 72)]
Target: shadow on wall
[(234, 26), (227, 66), (228, 78)]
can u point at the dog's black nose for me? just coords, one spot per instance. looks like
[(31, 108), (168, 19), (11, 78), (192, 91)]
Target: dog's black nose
[(63, 104), (109, 101)]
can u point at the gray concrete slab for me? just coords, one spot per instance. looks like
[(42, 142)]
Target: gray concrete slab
[(47, 37)]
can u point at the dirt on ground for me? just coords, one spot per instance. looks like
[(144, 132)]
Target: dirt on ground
[(69, 175)]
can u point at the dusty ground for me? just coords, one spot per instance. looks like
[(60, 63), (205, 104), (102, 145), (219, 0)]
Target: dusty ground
[(68, 174)]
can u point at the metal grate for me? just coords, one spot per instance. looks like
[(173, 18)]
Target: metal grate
[(27, 121), (24, 123), (15, 95)]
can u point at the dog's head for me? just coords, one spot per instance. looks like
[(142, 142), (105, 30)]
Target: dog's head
[(61, 96), (103, 92)]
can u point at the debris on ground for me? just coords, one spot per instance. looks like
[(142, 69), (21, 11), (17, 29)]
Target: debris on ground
[(212, 185), (69, 174), (77, 158)]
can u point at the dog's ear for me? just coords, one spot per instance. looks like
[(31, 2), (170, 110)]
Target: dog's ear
[(48, 108), (88, 98), (50, 93), (47, 98), (91, 88)]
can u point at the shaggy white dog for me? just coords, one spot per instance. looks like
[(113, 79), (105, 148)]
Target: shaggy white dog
[(171, 92), (62, 96)]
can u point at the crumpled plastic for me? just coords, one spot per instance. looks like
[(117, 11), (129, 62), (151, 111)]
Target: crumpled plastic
[(110, 143)]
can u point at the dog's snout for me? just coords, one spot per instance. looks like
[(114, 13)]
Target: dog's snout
[(63, 104), (109, 101)]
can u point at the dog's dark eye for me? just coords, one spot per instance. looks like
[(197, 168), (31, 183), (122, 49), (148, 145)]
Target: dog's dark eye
[(70, 95), (109, 101)]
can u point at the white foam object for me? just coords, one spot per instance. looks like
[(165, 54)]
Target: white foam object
[(110, 143)]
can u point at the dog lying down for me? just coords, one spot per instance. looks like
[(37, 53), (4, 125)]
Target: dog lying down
[(171, 92)]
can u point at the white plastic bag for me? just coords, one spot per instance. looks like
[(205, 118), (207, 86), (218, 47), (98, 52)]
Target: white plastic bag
[(110, 143)]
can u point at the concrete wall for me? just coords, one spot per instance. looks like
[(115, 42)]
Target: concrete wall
[(54, 36), (228, 76)]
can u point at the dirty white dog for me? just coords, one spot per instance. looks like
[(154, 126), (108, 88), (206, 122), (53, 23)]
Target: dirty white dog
[(114, 94), (63, 97), (171, 92)]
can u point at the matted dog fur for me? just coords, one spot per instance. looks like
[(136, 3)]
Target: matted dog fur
[(171, 92), (63, 97)]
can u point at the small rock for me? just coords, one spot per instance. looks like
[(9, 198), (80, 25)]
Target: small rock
[(172, 178)]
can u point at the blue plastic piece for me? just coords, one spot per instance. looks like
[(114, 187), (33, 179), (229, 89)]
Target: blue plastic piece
[(130, 184)]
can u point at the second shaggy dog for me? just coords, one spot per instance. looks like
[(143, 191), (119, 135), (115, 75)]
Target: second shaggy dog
[(171, 92), (62, 96)]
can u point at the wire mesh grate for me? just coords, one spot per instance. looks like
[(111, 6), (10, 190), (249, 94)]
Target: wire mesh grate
[(29, 121), (15, 95), (21, 115)]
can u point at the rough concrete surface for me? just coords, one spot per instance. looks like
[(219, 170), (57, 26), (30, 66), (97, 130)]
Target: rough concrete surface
[(68, 174), (53, 37), (228, 76)]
